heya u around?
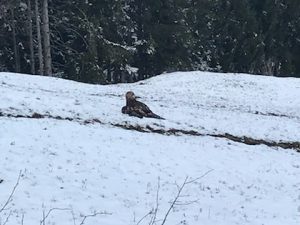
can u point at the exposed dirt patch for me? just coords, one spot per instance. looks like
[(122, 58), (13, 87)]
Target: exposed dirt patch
[(37, 116), (255, 112), (177, 132), (242, 139)]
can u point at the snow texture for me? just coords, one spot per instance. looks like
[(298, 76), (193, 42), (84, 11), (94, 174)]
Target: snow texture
[(78, 169)]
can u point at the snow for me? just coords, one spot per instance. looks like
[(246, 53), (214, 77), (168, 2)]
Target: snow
[(79, 169)]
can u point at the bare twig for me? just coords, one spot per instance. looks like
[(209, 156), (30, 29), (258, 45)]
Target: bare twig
[(187, 203), (180, 188), (11, 194), (149, 213), (153, 211), (43, 221), (194, 180), (73, 216), (174, 201), (93, 215), (153, 218), (7, 218), (44, 218), (22, 220)]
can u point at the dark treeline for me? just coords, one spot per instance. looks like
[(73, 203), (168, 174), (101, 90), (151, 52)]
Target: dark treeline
[(111, 41)]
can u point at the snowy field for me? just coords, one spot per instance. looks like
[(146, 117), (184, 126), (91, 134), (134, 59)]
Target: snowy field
[(98, 173)]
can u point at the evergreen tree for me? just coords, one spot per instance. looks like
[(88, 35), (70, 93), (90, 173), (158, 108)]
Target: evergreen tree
[(112, 41)]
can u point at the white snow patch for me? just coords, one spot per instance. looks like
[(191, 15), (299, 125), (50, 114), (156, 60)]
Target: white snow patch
[(88, 168)]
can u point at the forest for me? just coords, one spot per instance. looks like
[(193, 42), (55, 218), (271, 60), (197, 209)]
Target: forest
[(113, 41)]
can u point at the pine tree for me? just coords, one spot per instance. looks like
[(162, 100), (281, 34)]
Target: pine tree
[(127, 40)]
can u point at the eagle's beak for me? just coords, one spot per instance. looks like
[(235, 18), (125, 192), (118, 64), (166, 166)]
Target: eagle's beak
[(137, 97)]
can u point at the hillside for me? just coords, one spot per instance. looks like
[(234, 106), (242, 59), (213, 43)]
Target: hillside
[(79, 156)]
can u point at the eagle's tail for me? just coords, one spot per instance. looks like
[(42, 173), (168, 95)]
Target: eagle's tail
[(153, 115)]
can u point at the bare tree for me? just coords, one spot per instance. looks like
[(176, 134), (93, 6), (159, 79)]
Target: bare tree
[(46, 38), (29, 18), (14, 39), (39, 37), (7, 14)]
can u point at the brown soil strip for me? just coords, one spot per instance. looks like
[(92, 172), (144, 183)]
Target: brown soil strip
[(242, 139), (177, 132)]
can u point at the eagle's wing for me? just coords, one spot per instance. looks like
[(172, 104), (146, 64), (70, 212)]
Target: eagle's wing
[(135, 113), (124, 110), (143, 107)]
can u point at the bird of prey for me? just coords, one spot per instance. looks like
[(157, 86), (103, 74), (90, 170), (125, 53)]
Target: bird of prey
[(136, 108)]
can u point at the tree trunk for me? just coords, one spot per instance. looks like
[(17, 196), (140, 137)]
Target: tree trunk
[(15, 43), (46, 38), (39, 38), (29, 15)]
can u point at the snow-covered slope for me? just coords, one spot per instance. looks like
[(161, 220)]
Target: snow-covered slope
[(255, 106), (78, 169)]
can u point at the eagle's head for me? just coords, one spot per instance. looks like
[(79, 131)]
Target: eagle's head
[(130, 96)]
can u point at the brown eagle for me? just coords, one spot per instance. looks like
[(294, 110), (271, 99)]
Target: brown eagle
[(136, 108)]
